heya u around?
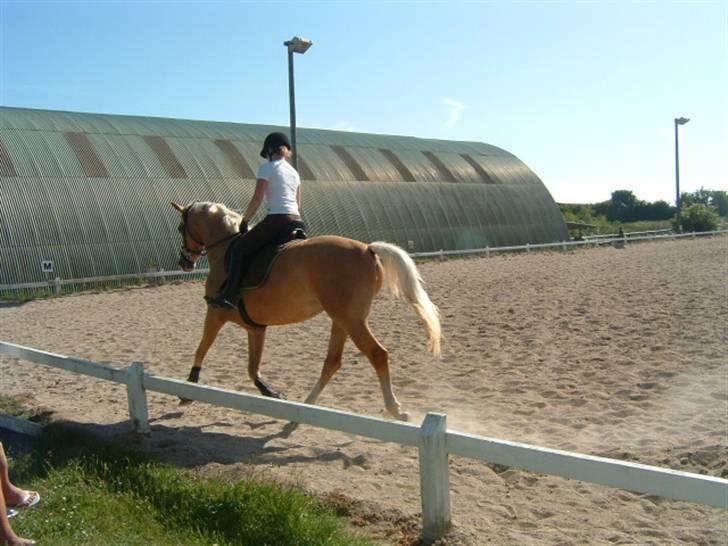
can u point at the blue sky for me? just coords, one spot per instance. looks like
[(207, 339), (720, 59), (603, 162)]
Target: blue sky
[(584, 93)]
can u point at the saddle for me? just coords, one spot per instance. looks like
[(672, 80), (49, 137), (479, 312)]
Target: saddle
[(261, 264)]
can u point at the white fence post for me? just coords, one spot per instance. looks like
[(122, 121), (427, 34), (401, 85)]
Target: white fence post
[(56, 283), (434, 477), (137, 397)]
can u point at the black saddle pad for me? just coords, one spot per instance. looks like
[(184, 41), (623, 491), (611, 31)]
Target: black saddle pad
[(261, 265), (262, 262)]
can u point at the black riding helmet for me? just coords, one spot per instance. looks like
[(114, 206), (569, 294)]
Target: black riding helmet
[(274, 141)]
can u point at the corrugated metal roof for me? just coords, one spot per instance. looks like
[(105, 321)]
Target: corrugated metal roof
[(91, 191)]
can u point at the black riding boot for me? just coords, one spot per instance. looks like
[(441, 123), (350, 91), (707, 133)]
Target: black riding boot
[(228, 297)]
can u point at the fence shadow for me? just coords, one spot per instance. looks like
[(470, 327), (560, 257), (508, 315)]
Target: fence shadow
[(190, 446)]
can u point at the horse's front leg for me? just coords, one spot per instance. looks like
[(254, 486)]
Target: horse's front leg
[(256, 340), (214, 321)]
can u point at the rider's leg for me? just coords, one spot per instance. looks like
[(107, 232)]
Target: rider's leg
[(263, 233), (228, 297)]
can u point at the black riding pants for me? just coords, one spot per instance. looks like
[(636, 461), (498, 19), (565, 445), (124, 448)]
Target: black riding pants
[(272, 229)]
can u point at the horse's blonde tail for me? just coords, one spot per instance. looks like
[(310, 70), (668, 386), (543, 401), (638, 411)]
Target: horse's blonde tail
[(403, 279)]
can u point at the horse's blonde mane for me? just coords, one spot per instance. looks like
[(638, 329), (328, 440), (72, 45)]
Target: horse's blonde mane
[(230, 218)]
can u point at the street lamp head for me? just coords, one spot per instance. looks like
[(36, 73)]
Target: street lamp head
[(298, 44), (681, 121)]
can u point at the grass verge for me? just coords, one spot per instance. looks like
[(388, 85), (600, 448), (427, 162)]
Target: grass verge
[(96, 492)]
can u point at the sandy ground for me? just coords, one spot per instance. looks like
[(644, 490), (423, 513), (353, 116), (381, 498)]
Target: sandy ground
[(618, 353)]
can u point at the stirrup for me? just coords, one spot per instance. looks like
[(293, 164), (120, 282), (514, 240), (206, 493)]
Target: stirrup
[(221, 301)]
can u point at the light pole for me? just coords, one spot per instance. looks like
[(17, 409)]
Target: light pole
[(678, 121), (294, 45)]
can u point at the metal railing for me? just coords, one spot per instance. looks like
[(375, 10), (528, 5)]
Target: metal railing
[(56, 285), (564, 245), (433, 440), (629, 234)]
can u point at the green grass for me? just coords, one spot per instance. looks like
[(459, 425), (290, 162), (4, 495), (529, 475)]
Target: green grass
[(644, 225), (96, 492), (11, 406)]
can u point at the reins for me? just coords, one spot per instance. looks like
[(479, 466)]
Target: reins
[(205, 249)]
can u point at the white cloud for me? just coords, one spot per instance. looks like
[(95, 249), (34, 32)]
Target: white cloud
[(344, 125), (455, 108)]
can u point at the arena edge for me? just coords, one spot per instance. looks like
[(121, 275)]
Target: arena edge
[(432, 439)]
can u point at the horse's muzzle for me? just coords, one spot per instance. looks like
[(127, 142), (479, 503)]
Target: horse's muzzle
[(186, 263)]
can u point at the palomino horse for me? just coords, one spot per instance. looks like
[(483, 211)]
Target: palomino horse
[(333, 274)]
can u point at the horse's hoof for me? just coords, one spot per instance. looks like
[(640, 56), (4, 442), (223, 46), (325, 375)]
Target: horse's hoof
[(403, 416), (289, 428), (185, 401), (278, 395)]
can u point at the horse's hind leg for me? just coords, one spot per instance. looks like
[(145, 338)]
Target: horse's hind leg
[(214, 321), (379, 357), (332, 362)]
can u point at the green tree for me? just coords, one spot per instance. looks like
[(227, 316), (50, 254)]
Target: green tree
[(624, 199), (699, 197), (660, 210), (698, 217), (622, 207), (719, 200)]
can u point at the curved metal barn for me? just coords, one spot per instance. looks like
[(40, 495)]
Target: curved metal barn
[(91, 192)]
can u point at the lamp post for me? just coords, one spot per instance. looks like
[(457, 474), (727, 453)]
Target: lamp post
[(294, 45), (678, 121)]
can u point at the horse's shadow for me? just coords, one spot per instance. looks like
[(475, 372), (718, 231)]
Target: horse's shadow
[(190, 446)]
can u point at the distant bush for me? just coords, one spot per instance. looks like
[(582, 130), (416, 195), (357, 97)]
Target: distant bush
[(699, 217), (717, 199), (624, 210)]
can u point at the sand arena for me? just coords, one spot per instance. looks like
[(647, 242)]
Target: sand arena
[(618, 353)]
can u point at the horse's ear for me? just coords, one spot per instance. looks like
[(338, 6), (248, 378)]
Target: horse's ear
[(178, 206)]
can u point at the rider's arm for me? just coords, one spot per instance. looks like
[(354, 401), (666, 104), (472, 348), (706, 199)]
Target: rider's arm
[(260, 188), (298, 197)]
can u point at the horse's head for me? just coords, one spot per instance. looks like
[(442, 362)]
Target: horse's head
[(204, 226), (192, 248)]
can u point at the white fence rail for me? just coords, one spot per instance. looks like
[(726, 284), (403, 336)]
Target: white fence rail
[(432, 439), (563, 245), (629, 234), (56, 284)]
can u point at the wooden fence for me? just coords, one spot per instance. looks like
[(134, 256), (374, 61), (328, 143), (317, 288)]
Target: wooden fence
[(433, 440)]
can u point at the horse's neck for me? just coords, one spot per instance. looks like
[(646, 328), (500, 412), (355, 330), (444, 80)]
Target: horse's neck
[(216, 256), (216, 264)]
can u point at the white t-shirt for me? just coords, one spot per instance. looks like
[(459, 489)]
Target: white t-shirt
[(283, 182)]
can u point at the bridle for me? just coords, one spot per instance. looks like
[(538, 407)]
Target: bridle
[(189, 255)]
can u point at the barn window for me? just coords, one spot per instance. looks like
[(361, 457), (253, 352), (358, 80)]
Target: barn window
[(166, 156), (404, 172), (236, 159), (352, 163), (6, 164), (484, 176), (305, 170), (85, 151), (445, 173)]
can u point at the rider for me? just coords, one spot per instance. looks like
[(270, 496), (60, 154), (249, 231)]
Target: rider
[(280, 185)]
